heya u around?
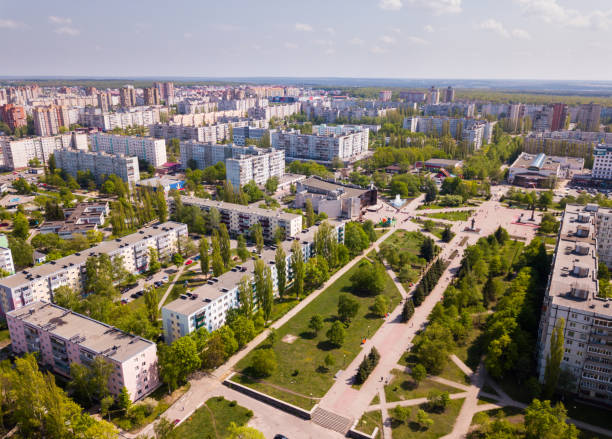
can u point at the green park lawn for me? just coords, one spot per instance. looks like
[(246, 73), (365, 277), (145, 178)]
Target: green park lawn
[(443, 423), (405, 240), (369, 421), (300, 362), (461, 215), (402, 387), (211, 421)]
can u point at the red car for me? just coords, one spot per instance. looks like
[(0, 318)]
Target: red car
[(188, 262), (176, 421)]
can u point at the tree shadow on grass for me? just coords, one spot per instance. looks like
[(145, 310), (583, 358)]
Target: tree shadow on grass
[(307, 335), (326, 345), (408, 385)]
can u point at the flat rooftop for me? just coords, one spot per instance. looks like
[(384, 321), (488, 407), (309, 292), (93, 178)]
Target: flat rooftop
[(250, 209), (525, 160), (45, 270), (577, 251), (227, 281), (95, 336), (443, 162), (328, 186)]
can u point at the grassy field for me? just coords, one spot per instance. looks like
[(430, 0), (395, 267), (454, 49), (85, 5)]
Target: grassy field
[(461, 215), (369, 421), (443, 423), (402, 387), (406, 241), (282, 307), (262, 386), (300, 361), (212, 420)]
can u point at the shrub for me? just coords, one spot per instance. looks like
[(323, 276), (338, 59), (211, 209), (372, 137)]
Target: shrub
[(263, 362), (367, 366)]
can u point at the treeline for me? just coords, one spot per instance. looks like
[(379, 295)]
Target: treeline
[(134, 209), (486, 163)]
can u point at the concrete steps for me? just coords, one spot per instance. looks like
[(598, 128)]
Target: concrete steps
[(331, 421)]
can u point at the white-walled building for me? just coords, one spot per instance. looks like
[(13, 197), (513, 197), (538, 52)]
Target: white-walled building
[(145, 148), (99, 163), (17, 153), (6, 256), (258, 167), (39, 282), (602, 162)]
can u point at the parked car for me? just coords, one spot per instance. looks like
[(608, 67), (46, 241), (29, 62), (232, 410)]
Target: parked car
[(134, 295), (124, 301), (188, 262), (280, 436), (140, 293)]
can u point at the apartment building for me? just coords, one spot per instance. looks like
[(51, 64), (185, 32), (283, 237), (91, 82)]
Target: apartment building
[(152, 96), (207, 306), (105, 101), (588, 117), (602, 162), (79, 220), (49, 120), (241, 134), (216, 133), (433, 98), (449, 95), (17, 153), (471, 130), (258, 165), (128, 117), (99, 163), (385, 95), (166, 91), (413, 96), (128, 96), (145, 148), (39, 282), (6, 256), (239, 218), (572, 294), (346, 142), (13, 115), (279, 111), (62, 337)]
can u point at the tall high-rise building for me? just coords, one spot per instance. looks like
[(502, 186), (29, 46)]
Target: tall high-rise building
[(128, 96), (104, 101), (434, 96), (385, 95), (13, 115), (588, 117), (515, 114), (152, 96), (449, 95), (92, 91), (559, 115), (166, 91), (48, 120)]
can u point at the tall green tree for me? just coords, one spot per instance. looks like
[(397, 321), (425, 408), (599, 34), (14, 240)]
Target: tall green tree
[(151, 305), (257, 236), (553, 359), (268, 294), (297, 267), (310, 215), (245, 296), (224, 243), (218, 266), (280, 259), (542, 421), (204, 256), (243, 252), (21, 227)]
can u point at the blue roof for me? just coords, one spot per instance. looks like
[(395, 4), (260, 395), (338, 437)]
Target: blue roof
[(538, 161)]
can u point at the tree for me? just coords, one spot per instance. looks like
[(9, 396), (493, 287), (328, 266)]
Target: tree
[(245, 296), (280, 259), (271, 185), (268, 294), (310, 215), (370, 278), (329, 361), (163, 428), (316, 323), (242, 251), (204, 256), (336, 334), (297, 266), (492, 289), (542, 421), (428, 249), (553, 360), (316, 272), (424, 420), (355, 238), (154, 265), (418, 373), (178, 360), (430, 189), (257, 236), (447, 234), (347, 308), (401, 413), (263, 362), (407, 310), (151, 305), (381, 305), (438, 401), (22, 252), (105, 406), (218, 266), (224, 244), (501, 235), (21, 228), (123, 400), (243, 328), (243, 432)]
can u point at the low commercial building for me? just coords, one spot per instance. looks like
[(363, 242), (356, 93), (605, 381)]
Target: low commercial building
[(166, 183), (345, 142), (100, 164), (62, 337), (207, 305), (39, 282), (79, 220), (572, 294), (542, 170), (145, 148), (437, 164), (239, 218), (17, 153), (334, 199)]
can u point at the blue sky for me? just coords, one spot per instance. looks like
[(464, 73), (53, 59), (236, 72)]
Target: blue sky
[(530, 39)]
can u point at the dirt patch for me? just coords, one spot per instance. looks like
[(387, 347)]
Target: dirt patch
[(289, 338)]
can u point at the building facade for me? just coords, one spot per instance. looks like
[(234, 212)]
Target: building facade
[(13, 115), (6, 256), (100, 164), (145, 148), (258, 167), (39, 282), (49, 120), (17, 154), (602, 162), (62, 337)]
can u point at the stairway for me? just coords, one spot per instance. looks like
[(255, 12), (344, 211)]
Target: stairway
[(331, 421)]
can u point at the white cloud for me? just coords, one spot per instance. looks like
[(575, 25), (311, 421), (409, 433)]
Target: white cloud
[(377, 50), (387, 39), (303, 27), (521, 34), (494, 26), (10, 24), (439, 7), (290, 46), (550, 11), (390, 5), (428, 28), (59, 20), (67, 30), (356, 41), (417, 40)]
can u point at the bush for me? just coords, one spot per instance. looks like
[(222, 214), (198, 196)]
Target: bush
[(367, 366), (381, 305), (438, 401), (336, 334), (263, 362), (408, 310)]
